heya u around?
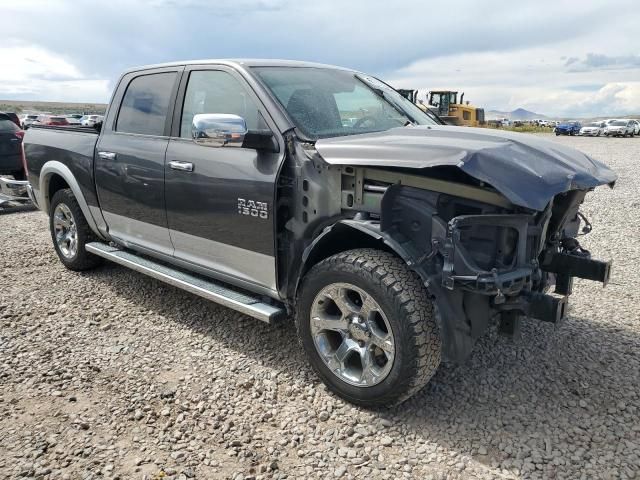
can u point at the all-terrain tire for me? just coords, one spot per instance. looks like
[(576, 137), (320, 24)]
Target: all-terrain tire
[(81, 260), (408, 308)]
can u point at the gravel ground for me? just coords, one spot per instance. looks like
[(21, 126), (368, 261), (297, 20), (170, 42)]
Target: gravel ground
[(111, 374)]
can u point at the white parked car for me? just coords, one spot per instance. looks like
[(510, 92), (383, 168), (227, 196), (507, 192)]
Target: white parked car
[(620, 128), (28, 120), (636, 126), (543, 123), (91, 120), (73, 120), (593, 129)]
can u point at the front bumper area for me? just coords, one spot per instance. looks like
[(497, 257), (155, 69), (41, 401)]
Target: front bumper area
[(517, 289), (13, 190), (461, 269)]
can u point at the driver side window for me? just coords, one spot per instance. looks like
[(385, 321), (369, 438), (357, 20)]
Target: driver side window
[(215, 91)]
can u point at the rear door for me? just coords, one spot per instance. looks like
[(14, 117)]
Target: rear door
[(220, 212), (129, 165)]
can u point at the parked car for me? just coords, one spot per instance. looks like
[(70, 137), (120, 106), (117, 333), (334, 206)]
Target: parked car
[(13, 184), (393, 241), (568, 128), (51, 121), (593, 129), (543, 123), (636, 127), (91, 120), (11, 148), (72, 120), (620, 128), (28, 120), (14, 118)]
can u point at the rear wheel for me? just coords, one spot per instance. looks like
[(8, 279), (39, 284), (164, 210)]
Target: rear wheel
[(368, 327), (70, 232)]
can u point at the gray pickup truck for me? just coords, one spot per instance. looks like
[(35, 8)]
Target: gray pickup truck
[(285, 188)]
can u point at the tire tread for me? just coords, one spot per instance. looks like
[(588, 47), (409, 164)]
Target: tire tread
[(410, 297)]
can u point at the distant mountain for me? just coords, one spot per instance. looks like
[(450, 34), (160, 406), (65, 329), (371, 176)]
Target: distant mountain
[(517, 114)]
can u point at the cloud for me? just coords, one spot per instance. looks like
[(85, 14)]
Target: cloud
[(33, 72), (534, 78), (598, 61), (499, 51)]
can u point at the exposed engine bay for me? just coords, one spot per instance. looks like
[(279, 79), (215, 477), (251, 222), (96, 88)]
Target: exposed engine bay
[(484, 255)]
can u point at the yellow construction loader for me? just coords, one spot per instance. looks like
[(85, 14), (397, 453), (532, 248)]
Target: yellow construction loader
[(444, 103)]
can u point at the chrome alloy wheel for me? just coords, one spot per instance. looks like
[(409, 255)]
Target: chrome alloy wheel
[(352, 334), (65, 231)]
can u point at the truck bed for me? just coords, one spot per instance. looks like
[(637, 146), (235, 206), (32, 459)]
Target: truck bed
[(71, 146)]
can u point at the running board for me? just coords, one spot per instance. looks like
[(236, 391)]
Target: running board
[(201, 286)]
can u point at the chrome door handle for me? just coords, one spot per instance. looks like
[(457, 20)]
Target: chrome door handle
[(107, 155), (182, 166)]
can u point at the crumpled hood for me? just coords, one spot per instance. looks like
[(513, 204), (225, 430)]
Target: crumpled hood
[(526, 169)]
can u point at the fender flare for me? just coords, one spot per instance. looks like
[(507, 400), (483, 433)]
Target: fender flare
[(54, 167)]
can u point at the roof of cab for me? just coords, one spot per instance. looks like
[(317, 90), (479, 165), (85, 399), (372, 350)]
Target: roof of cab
[(238, 63)]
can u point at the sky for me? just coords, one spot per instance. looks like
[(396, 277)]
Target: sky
[(558, 58)]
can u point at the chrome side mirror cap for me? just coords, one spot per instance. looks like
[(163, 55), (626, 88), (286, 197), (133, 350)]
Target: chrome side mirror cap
[(218, 130)]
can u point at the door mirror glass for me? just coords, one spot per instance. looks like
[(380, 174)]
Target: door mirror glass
[(218, 130)]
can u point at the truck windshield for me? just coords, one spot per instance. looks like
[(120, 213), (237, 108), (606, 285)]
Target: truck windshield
[(327, 102)]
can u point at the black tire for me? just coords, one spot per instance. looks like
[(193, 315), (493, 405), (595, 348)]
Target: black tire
[(19, 175), (557, 134), (408, 309), (81, 260)]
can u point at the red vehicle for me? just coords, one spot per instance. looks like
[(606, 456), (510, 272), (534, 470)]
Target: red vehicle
[(52, 120)]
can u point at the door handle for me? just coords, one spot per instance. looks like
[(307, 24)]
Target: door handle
[(182, 166), (107, 155)]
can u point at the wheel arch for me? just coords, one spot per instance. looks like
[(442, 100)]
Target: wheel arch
[(347, 235), (456, 328), (55, 176)]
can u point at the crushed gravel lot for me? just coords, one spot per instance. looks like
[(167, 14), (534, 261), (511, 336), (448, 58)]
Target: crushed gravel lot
[(110, 374)]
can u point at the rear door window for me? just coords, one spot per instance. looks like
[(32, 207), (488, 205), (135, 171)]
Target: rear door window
[(145, 104), (7, 125)]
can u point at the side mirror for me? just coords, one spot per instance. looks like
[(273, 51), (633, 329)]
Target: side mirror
[(228, 130), (218, 130)]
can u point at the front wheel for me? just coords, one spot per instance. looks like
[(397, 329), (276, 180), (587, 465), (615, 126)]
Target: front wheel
[(71, 232), (368, 327)]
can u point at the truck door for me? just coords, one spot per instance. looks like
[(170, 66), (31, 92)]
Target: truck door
[(211, 192), (129, 163)]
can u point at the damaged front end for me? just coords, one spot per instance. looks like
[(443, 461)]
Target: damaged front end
[(480, 256)]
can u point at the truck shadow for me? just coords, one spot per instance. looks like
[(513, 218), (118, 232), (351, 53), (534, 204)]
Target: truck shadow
[(556, 393)]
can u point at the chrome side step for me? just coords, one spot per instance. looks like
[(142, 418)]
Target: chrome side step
[(204, 287)]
